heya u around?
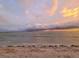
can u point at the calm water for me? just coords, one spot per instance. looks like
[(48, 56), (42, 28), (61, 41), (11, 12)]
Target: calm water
[(41, 37)]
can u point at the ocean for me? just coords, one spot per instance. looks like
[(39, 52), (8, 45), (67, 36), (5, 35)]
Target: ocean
[(39, 37)]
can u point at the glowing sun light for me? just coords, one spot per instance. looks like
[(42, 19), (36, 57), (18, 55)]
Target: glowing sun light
[(70, 12)]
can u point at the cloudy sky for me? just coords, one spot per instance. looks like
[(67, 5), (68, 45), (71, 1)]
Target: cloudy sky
[(18, 14)]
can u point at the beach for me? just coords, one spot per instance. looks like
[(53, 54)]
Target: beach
[(39, 44), (43, 51)]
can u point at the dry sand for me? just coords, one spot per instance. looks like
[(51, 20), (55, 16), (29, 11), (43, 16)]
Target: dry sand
[(44, 51)]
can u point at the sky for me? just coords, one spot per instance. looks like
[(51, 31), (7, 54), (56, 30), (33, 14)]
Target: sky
[(18, 15)]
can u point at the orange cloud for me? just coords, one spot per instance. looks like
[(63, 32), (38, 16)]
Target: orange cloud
[(54, 7)]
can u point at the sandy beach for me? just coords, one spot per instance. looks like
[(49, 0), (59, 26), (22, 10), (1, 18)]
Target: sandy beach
[(44, 51)]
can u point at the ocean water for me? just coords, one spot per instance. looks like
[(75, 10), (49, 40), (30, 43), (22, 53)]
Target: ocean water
[(39, 37)]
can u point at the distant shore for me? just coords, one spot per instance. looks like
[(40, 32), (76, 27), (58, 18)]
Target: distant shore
[(74, 29)]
